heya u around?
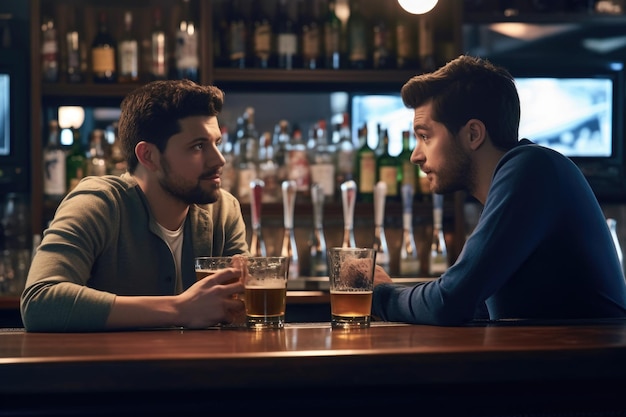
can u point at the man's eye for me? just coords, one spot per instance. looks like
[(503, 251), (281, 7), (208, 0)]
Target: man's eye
[(198, 146)]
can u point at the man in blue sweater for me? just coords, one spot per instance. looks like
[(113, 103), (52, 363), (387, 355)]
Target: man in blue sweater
[(541, 248)]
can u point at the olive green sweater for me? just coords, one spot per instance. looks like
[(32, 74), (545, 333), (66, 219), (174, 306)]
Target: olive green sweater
[(104, 242)]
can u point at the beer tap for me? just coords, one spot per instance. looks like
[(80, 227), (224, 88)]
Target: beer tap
[(409, 259), (380, 241), (257, 244), (348, 197), (438, 253), (317, 243), (290, 249)]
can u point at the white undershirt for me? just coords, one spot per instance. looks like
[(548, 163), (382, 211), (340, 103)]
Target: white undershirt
[(174, 239)]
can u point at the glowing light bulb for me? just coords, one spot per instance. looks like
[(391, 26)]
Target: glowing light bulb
[(418, 6)]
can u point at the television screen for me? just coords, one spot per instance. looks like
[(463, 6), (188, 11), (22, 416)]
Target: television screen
[(571, 115)]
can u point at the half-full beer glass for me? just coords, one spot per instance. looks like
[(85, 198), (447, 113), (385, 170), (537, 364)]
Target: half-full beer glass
[(351, 277), (265, 280)]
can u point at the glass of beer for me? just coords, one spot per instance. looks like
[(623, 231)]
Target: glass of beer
[(265, 280), (351, 278), (208, 265)]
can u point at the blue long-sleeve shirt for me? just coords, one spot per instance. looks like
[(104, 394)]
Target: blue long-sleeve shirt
[(540, 250)]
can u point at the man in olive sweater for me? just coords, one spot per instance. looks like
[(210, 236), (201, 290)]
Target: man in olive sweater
[(120, 251)]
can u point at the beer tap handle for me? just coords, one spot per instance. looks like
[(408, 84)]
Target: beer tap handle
[(289, 202), (380, 194), (256, 191)]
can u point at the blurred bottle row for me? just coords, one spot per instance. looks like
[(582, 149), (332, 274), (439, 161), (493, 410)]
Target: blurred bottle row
[(316, 34), (324, 155), (285, 34), (128, 57)]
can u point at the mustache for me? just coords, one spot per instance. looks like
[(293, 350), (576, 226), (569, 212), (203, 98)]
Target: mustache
[(212, 173)]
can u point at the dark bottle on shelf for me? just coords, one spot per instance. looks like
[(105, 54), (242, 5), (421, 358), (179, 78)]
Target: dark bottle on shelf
[(286, 36), (382, 43), (312, 38), (358, 45), (128, 52), (238, 36), (262, 37), (187, 59), (103, 51), (76, 162), (332, 38), (158, 47), (405, 40), (49, 51)]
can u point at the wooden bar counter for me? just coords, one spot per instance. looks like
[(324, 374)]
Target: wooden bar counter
[(484, 369)]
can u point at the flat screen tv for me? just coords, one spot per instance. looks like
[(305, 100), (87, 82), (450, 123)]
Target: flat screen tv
[(576, 108)]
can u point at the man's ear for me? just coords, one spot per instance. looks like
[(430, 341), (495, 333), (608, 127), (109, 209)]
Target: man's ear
[(148, 155), (476, 132)]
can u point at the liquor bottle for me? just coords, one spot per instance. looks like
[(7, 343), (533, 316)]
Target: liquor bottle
[(388, 169), (348, 198), (346, 153), (221, 41), (75, 64), (438, 260), (262, 37), (332, 38), (257, 243), (128, 53), (54, 183), (96, 163), (408, 171), (382, 43), (187, 59), (380, 241), (358, 46), (312, 36), (280, 142), (322, 160), (286, 37), (49, 51), (289, 246), (116, 163), (76, 162), (612, 224), (103, 51), (409, 258), (405, 41), (158, 47), (268, 170), (365, 167), (297, 161), (238, 36), (317, 242), (426, 50), (247, 154)]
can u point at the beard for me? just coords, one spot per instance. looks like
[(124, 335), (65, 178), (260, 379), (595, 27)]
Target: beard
[(187, 191), (456, 175)]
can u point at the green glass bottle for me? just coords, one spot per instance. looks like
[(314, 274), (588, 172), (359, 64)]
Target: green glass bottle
[(409, 172), (365, 168), (388, 169), (76, 162)]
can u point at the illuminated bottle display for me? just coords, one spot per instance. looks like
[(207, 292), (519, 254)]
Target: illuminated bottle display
[(187, 60)]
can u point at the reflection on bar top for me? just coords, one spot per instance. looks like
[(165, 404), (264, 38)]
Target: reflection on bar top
[(321, 283)]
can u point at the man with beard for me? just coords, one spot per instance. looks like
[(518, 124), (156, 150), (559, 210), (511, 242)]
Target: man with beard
[(541, 248), (120, 250)]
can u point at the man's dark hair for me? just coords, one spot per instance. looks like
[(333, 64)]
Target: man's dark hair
[(469, 88), (151, 113)]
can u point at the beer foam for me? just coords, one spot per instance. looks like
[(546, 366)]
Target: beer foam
[(266, 283)]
